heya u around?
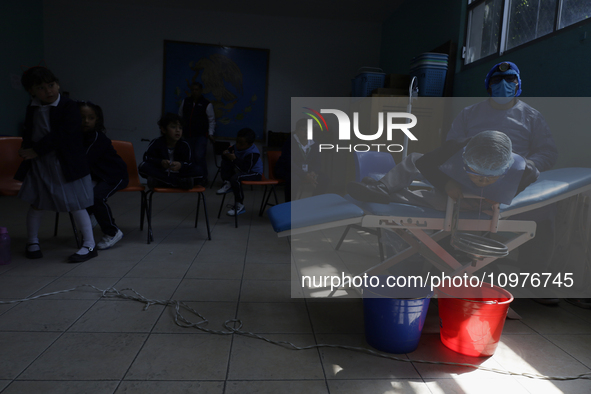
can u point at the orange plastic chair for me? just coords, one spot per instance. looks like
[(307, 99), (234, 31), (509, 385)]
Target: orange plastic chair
[(196, 189), (125, 151), (272, 157), (9, 163)]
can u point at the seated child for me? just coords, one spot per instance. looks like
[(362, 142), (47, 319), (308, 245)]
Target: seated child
[(241, 162), (483, 165), (168, 161), (107, 169)]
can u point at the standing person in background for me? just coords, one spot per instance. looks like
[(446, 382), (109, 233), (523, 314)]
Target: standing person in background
[(199, 125), (54, 172), (107, 170)]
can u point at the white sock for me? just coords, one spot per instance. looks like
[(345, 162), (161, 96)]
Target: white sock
[(33, 223), (84, 225)]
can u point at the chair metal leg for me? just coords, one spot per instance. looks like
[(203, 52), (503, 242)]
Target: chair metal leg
[(262, 211), (75, 230), (221, 206), (197, 212), (201, 195), (143, 210), (264, 201), (220, 211), (215, 177), (149, 194)]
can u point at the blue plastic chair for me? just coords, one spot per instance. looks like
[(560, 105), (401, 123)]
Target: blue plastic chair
[(374, 165)]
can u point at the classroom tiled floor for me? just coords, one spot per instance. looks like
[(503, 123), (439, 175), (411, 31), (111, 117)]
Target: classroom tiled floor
[(80, 342)]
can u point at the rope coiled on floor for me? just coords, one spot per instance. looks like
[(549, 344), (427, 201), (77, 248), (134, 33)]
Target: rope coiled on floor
[(181, 321)]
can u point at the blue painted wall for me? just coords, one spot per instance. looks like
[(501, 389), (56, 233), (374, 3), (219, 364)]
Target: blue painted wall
[(21, 44)]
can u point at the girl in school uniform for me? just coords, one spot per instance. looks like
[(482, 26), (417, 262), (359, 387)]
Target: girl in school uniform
[(107, 170), (54, 172)]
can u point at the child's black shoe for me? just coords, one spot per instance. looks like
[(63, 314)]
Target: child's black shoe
[(33, 254), (80, 258)]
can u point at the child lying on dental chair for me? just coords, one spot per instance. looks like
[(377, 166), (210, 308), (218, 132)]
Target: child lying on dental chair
[(483, 165)]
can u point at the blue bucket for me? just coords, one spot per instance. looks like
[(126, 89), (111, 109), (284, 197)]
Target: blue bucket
[(394, 324)]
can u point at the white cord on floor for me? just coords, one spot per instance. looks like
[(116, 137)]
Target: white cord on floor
[(181, 321)]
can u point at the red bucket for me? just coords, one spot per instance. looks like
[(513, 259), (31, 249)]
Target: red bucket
[(471, 319)]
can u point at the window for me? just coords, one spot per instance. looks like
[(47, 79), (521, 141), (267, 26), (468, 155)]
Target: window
[(495, 26)]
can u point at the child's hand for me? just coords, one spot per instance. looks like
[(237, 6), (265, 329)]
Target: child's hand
[(165, 164), (175, 166), (454, 190), (27, 154), (229, 156)]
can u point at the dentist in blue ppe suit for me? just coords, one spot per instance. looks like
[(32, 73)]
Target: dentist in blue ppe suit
[(503, 111), (531, 139)]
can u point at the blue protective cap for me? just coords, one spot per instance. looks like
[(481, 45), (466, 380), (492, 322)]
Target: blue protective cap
[(489, 153), (504, 68)]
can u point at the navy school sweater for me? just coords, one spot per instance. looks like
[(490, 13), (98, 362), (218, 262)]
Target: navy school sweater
[(105, 164)]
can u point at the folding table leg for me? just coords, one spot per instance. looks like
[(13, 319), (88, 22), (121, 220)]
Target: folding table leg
[(343, 237), (414, 248)]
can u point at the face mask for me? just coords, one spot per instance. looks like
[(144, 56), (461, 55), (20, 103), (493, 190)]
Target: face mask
[(503, 92)]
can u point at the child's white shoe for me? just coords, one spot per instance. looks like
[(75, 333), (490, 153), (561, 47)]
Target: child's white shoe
[(226, 188), (109, 241), (239, 208)]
